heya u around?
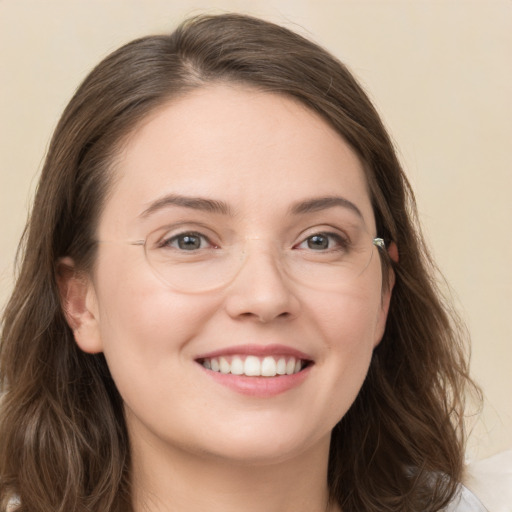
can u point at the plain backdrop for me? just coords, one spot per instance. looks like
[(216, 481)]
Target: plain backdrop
[(438, 71)]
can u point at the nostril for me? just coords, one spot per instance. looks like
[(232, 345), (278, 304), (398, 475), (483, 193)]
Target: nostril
[(264, 318)]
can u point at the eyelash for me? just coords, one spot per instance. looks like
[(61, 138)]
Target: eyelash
[(168, 241), (339, 241)]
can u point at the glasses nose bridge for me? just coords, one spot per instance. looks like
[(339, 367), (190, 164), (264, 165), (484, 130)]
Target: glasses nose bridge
[(261, 288), (259, 250)]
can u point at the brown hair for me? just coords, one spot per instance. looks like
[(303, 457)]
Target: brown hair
[(63, 439)]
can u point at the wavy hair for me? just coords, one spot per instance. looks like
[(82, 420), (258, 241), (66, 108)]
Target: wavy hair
[(63, 439)]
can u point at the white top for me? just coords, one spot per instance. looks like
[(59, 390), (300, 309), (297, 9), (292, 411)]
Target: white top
[(491, 480), (466, 501)]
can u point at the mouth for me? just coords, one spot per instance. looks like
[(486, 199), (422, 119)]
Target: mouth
[(255, 366), (257, 370)]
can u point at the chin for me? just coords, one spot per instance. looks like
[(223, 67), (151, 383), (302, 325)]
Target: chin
[(263, 451), (265, 442)]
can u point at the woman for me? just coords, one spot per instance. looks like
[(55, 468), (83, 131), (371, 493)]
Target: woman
[(224, 302)]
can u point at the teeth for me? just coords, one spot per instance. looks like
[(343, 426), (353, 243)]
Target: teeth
[(225, 367), (269, 367), (253, 366), (237, 366), (290, 366)]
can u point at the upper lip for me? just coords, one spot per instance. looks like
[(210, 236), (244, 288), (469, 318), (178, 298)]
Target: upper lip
[(256, 350)]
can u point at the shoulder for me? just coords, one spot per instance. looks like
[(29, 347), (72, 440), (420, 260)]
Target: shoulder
[(13, 504), (491, 480), (465, 501)]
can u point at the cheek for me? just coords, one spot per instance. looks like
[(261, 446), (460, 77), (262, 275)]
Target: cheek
[(350, 320), (144, 326), (137, 305), (349, 325), (350, 333)]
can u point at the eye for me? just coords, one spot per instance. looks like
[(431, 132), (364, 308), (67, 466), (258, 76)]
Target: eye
[(323, 242), (189, 241)]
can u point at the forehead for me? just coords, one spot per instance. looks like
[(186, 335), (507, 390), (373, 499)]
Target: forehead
[(257, 151)]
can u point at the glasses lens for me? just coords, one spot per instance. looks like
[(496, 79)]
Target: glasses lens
[(190, 264)]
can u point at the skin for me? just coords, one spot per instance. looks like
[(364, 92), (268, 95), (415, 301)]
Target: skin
[(259, 153)]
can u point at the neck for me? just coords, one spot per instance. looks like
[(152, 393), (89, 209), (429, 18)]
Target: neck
[(175, 480)]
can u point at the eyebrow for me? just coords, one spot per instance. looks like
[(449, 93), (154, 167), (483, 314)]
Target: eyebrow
[(220, 207), (323, 203), (195, 203)]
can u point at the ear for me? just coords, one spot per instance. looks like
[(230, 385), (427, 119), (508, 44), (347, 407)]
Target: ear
[(393, 252), (78, 300), (386, 296)]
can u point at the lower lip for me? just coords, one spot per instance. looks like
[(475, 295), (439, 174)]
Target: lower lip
[(260, 387)]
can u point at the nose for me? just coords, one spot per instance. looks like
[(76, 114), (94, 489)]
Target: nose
[(261, 290)]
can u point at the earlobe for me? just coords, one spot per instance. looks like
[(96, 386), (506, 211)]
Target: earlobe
[(79, 305), (393, 252)]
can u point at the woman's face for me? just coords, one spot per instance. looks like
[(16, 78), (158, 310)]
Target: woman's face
[(230, 170)]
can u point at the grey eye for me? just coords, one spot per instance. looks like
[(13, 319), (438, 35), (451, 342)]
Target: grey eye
[(324, 242), (187, 242), (318, 242)]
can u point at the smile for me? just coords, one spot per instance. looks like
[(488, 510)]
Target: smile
[(260, 371), (254, 366)]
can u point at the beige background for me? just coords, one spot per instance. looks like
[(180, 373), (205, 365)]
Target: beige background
[(439, 72)]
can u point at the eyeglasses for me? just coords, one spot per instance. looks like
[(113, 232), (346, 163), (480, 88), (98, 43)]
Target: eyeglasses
[(190, 262)]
